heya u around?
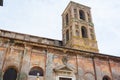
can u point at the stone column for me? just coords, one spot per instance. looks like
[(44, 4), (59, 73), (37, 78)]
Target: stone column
[(49, 68)]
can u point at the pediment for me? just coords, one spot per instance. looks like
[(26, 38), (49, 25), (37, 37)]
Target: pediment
[(66, 68), (63, 68)]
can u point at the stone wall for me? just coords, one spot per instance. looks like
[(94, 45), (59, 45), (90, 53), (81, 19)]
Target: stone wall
[(56, 62), (115, 68), (102, 68)]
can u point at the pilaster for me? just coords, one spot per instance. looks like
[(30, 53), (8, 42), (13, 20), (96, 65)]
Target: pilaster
[(49, 68)]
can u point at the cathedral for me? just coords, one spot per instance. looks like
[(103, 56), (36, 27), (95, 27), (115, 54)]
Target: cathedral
[(75, 57)]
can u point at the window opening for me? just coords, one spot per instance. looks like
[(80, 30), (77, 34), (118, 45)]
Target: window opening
[(36, 70), (82, 14), (10, 74), (61, 78), (84, 32)]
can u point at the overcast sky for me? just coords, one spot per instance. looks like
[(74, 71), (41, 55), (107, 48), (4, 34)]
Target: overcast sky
[(43, 18)]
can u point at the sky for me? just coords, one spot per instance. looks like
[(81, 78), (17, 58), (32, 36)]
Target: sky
[(43, 18)]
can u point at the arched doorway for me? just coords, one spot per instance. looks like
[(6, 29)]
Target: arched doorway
[(10, 74)]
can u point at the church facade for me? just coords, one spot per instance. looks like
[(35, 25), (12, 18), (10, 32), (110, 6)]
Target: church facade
[(76, 57)]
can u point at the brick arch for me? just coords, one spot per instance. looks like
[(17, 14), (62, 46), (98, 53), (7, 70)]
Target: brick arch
[(12, 66), (106, 77)]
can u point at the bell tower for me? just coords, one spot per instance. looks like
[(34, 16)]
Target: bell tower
[(78, 29)]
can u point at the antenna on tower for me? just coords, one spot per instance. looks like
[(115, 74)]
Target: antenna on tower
[(1, 2)]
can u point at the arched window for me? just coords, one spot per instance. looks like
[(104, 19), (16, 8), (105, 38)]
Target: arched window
[(106, 78), (84, 32), (10, 74), (82, 14), (35, 70)]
